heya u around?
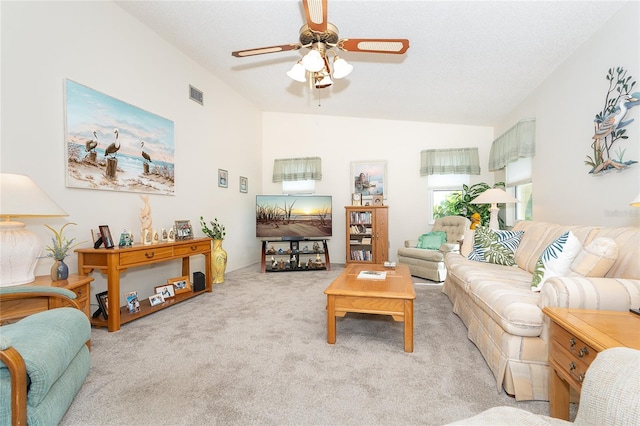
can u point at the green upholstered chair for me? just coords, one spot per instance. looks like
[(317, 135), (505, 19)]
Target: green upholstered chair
[(44, 358)]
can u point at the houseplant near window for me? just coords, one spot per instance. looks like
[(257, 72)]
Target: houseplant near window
[(59, 250), (217, 232), (459, 203)]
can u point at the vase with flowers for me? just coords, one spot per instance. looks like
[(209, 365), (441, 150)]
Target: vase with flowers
[(217, 232), (58, 251)]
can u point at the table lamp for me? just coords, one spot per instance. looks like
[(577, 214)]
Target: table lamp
[(494, 196), (19, 247)]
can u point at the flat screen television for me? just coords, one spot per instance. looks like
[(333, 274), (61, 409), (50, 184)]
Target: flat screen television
[(293, 217)]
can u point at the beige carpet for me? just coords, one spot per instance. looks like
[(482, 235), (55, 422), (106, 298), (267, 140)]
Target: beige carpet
[(254, 352)]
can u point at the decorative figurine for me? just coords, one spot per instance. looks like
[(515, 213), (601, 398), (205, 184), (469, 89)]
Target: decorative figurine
[(125, 239), (145, 218)]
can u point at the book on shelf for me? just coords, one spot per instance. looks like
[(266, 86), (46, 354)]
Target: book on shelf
[(372, 275), (366, 240)]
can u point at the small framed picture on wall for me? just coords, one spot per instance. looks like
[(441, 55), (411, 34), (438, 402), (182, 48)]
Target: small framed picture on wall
[(223, 178), (244, 184)]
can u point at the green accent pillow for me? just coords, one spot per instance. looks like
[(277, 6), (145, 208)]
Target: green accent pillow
[(495, 246), (432, 240)]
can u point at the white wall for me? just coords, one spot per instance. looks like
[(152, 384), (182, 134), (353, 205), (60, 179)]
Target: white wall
[(339, 141), (97, 44), (564, 107)]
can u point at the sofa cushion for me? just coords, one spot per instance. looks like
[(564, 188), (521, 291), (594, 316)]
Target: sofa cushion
[(467, 243), (494, 246), (432, 240), (556, 259), (416, 253), (595, 259)]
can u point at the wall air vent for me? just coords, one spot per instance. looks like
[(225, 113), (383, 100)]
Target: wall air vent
[(196, 95)]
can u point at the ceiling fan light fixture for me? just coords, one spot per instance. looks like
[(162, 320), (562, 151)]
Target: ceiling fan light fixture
[(313, 61), (341, 68), (322, 80), (297, 72)]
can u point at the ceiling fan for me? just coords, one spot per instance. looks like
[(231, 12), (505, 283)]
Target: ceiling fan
[(320, 36)]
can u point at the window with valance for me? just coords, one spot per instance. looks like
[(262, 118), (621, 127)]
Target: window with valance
[(458, 161), (297, 169), (517, 142)]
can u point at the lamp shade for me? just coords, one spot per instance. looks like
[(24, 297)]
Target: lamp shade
[(494, 196), (313, 61), (21, 197), (19, 247), (297, 72), (341, 68)]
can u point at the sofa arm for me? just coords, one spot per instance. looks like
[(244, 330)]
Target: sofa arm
[(411, 243), (35, 291), (612, 294)]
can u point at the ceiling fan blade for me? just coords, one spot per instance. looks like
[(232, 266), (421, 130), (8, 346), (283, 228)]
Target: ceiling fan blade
[(316, 13), (374, 45), (263, 50)]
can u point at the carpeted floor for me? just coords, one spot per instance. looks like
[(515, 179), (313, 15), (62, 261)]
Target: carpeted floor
[(254, 352)]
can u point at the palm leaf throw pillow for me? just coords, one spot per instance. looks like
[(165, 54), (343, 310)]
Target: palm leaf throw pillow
[(495, 246), (555, 260)]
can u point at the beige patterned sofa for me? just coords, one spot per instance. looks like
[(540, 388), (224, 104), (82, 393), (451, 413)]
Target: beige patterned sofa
[(504, 317)]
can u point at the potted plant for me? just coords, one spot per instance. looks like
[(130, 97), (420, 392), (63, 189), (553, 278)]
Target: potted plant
[(217, 232), (459, 203), (58, 251)]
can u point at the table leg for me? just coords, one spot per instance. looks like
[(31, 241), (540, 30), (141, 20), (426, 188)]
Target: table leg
[(408, 325), (558, 396), (331, 319)]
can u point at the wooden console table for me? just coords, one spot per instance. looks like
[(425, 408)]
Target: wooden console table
[(114, 261), (576, 337)]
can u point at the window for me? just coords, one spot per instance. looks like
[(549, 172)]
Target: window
[(441, 189), (299, 186), (518, 182)]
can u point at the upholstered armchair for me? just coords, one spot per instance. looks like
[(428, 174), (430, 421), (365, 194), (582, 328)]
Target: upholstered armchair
[(610, 396), (425, 255), (44, 357)]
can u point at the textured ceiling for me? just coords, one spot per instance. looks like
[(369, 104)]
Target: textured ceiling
[(468, 62)]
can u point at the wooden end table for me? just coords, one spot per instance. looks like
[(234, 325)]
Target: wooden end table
[(576, 337), (393, 296)]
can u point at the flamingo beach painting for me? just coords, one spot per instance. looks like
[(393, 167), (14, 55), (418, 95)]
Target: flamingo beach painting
[(112, 145), (610, 123)]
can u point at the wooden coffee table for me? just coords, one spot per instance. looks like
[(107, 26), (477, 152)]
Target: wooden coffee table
[(393, 296)]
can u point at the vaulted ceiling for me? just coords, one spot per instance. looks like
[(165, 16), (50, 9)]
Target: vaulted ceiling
[(469, 62)]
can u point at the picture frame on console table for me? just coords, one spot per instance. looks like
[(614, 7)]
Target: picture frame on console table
[(180, 284), (107, 239), (103, 304), (167, 291)]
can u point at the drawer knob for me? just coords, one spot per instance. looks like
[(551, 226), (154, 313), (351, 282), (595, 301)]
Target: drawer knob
[(582, 352), (194, 248), (578, 377), (149, 255)]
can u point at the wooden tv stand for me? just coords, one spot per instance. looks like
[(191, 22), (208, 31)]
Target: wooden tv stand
[(114, 261)]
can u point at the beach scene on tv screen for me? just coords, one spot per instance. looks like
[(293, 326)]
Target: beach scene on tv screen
[(290, 216)]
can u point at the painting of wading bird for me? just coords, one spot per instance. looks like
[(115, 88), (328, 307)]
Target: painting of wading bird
[(610, 123), (107, 140), (113, 148)]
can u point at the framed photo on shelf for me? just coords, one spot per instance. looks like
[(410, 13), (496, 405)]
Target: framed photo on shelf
[(223, 178), (377, 200), (180, 284), (244, 184), (167, 291), (369, 178), (184, 231), (103, 304), (107, 239), (156, 299)]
